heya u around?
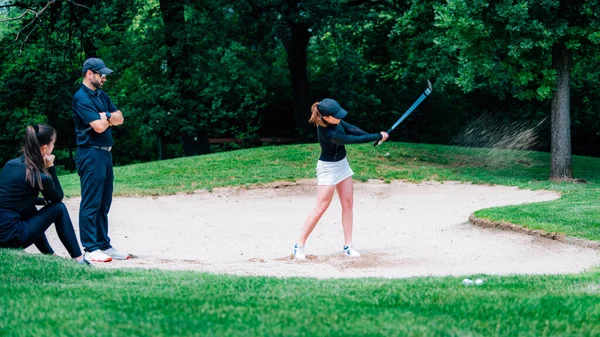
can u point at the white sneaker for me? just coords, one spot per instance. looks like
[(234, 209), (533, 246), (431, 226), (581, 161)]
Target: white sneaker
[(115, 254), (97, 256), (350, 251), (299, 252)]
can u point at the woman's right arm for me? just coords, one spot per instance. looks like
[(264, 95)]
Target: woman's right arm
[(355, 135), (52, 190)]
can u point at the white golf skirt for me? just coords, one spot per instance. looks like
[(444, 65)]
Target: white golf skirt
[(332, 173)]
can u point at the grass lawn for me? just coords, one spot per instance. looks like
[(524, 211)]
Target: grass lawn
[(46, 296)]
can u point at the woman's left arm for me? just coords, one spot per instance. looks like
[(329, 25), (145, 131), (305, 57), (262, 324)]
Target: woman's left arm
[(52, 190), (352, 130), (343, 139)]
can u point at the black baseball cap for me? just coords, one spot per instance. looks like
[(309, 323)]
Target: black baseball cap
[(330, 107), (96, 64)]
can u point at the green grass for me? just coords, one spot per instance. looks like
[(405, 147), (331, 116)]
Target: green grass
[(43, 295), (576, 214)]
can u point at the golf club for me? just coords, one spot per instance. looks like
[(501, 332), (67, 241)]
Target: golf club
[(415, 104)]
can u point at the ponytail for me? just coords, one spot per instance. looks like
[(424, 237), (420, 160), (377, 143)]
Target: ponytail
[(36, 136), (316, 118)]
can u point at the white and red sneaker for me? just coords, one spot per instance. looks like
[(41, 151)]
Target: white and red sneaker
[(97, 256)]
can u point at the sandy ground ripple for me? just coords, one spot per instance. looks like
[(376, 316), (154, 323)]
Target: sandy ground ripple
[(402, 230)]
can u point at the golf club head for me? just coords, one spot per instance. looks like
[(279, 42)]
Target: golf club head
[(429, 88)]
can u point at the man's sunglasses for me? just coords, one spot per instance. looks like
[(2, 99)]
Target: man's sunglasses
[(101, 75)]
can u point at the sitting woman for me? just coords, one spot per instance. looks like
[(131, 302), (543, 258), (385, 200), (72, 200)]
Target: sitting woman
[(21, 181)]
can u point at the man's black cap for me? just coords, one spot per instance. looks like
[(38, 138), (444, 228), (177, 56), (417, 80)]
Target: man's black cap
[(329, 107), (95, 64)]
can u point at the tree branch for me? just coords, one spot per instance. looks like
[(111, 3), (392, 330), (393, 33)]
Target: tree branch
[(26, 38), (38, 14), (79, 5), (20, 16)]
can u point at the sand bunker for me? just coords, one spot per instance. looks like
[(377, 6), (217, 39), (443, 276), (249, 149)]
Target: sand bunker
[(402, 230)]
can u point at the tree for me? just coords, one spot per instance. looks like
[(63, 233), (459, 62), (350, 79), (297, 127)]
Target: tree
[(178, 65), (53, 40), (523, 49), (36, 68), (295, 22)]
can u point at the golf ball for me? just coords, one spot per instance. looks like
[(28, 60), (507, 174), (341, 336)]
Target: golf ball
[(478, 282), (467, 282), (387, 154)]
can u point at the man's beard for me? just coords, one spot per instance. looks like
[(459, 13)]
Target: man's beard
[(97, 85)]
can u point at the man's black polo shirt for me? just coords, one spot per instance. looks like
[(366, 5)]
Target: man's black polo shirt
[(87, 106)]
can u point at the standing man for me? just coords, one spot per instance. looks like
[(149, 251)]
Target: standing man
[(94, 114)]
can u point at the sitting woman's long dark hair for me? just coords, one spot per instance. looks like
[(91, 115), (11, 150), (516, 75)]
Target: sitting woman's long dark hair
[(36, 136)]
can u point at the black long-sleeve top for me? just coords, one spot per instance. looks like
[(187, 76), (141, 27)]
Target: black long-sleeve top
[(17, 196), (333, 138)]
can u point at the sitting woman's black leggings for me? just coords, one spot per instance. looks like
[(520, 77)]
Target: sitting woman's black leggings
[(37, 222)]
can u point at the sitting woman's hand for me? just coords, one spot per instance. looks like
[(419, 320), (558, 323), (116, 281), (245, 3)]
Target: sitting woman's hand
[(49, 160)]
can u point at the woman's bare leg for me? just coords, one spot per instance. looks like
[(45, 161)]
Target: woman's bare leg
[(324, 196), (345, 190)]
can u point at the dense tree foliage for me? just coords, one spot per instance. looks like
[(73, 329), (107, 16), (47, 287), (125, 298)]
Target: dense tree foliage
[(525, 50), (189, 71)]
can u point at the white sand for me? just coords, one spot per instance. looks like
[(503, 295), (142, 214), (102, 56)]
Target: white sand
[(401, 229)]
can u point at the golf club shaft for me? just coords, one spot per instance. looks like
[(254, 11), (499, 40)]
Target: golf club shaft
[(413, 107)]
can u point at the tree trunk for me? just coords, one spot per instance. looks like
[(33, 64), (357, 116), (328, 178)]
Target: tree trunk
[(89, 49), (55, 13), (173, 23), (297, 64), (161, 152), (178, 67), (561, 118), (294, 37)]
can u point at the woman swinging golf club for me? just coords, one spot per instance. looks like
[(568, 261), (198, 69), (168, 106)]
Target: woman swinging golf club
[(333, 171)]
